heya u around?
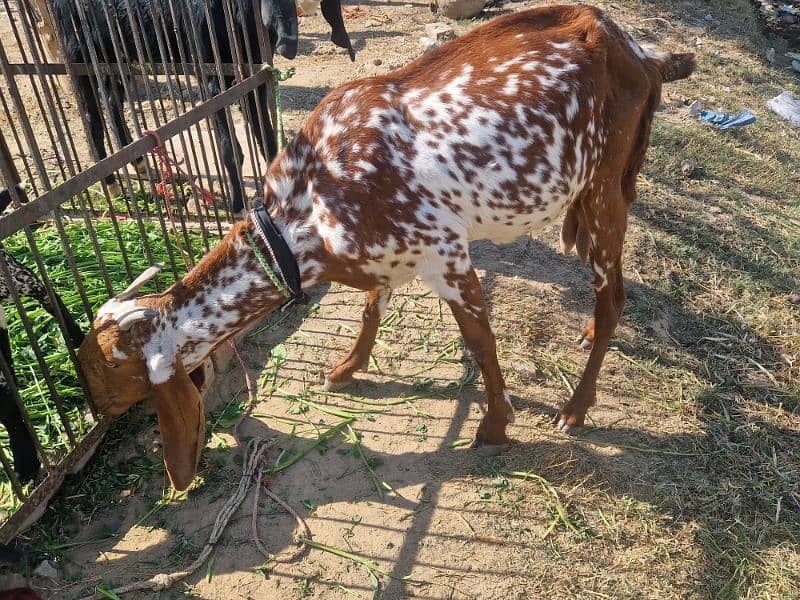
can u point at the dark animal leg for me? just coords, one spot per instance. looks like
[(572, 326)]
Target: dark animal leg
[(258, 104), (232, 156), (115, 95), (94, 121), (26, 462)]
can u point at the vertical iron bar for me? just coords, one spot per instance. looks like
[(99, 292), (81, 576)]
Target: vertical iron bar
[(53, 82), (64, 156), (234, 45), (122, 58), (10, 119), (133, 19), (99, 78), (19, 107), (222, 85), (166, 57), (84, 199), (12, 476), (180, 32)]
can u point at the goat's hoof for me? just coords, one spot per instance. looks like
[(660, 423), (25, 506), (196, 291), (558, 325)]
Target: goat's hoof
[(564, 425), (586, 343), (335, 386), (570, 421), (140, 164), (114, 189), (488, 450)]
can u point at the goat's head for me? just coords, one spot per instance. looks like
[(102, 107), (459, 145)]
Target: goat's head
[(127, 358), (280, 17)]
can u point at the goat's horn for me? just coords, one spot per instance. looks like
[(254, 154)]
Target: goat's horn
[(139, 314), (133, 288)]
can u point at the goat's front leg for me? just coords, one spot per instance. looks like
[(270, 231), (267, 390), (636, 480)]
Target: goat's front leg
[(116, 102), (231, 151), (464, 295), (341, 374), (606, 263)]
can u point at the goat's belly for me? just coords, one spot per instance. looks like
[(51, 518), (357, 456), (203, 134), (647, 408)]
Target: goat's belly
[(501, 214), (504, 197), (503, 225)]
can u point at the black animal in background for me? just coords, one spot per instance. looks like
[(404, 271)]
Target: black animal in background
[(174, 22), (26, 283)]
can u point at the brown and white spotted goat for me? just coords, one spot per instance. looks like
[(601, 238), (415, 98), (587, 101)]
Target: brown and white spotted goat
[(490, 136)]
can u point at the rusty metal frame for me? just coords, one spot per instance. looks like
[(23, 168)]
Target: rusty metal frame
[(34, 505), (52, 199)]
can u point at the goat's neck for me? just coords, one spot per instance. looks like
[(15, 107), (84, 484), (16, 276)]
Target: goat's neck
[(227, 290)]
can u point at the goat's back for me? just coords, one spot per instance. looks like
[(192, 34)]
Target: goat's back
[(489, 136), (176, 23)]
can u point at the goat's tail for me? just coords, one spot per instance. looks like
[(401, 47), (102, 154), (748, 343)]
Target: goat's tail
[(675, 66)]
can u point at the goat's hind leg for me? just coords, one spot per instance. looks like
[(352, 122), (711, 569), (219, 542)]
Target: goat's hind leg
[(605, 260), (341, 374), (574, 234)]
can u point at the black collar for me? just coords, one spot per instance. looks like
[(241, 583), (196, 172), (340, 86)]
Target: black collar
[(279, 255)]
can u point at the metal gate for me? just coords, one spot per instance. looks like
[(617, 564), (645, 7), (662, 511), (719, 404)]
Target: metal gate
[(69, 227)]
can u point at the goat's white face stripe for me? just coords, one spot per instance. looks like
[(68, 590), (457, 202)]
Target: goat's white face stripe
[(116, 309)]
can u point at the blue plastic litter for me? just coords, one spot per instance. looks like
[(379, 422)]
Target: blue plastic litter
[(728, 121)]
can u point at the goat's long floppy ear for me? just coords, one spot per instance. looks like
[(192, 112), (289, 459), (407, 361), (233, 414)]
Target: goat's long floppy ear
[(179, 408)]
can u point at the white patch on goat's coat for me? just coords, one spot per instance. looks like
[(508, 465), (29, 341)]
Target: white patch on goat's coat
[(118, 354), (383, 301), (160, 365), (602, 274), (572, 108), (512, 85)]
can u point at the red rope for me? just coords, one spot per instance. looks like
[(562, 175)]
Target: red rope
[(166, 164), (163, 188)]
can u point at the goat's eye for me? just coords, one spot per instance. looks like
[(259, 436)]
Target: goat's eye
[(111, 365)]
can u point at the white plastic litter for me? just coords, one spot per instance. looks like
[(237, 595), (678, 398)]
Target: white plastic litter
[(787, 107)]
